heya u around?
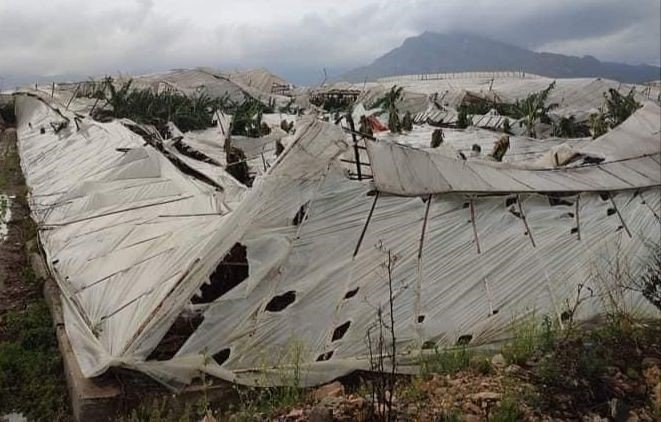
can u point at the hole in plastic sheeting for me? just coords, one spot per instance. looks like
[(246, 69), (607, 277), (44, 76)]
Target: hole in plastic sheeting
[(604, 196), (574, 230), (466, 205), (610, 211), (231, 271), (280, 302), (619, 228), (42, 130), (222, 356), (300, 214), (429, 344), (554, 201), (566, 316), (340, 331), (569, 215), (589, 159), (510, 201), (514, 212), (421, 319), (351, 293), (495, 312), (371, 193), (182, 328), (464, 340), (325, 356)]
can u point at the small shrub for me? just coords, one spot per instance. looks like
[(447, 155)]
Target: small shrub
[(507, 411), (158, 411), (481, 364), (407, 122), (530, 337), (463, 119), (449, 416), (449, 361)]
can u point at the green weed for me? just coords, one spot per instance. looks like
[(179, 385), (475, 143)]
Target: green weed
[(446, 361), (507, 411), (30, 366), (530, 337)]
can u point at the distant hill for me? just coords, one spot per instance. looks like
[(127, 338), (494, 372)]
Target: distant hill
[(437, 53)]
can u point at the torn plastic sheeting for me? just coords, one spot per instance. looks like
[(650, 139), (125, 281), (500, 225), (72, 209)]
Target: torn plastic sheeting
[(453, 298), (115, 213), (402, 170), (309, 157), (437, 299)]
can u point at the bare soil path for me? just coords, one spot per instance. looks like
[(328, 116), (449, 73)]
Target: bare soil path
[(15, 291)]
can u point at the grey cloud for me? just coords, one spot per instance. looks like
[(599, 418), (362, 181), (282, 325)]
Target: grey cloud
[(76, 38)]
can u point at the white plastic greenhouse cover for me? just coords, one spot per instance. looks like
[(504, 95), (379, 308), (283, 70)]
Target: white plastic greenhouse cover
[(578, 97), (402, 170), (130, 239)]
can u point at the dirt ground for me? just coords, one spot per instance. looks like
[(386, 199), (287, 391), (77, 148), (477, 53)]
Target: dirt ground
[(15, 291), (31, 373)]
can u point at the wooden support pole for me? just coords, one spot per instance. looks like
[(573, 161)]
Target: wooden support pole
[(356, 132), (578, 219), (489, 300), (477, 240), (617, 210), (648, 207), (96, 101), (52, 89), (75, 91), (424, 227), (367, 222), (418, 284), (525, 221), (355, 146)]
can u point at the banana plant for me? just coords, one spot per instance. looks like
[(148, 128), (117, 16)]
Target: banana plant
[(533, 108)]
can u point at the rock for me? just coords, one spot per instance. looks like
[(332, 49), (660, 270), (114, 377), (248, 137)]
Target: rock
[(498, 361), (513, 370), (471, 408), (295, 414), (485, 396), (331, 402), (208, 417), (356, 402), (633, 417), (334, 389), (649, 362), (320, 414)]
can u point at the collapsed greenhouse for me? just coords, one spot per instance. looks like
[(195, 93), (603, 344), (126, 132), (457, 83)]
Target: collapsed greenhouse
[(169, 266)]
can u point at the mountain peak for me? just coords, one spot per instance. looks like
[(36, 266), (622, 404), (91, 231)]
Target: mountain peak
[(432, 52)]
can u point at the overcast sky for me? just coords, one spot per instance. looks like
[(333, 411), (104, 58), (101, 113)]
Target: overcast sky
[(298, 38)]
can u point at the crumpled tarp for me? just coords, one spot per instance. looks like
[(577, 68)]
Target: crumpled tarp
[(130, 240)]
